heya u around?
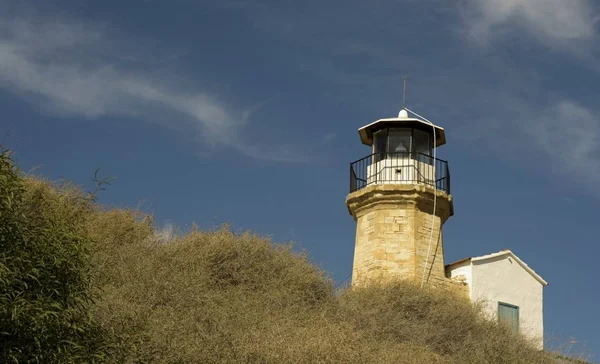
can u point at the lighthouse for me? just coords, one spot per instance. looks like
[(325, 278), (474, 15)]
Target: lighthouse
[(400, 198)]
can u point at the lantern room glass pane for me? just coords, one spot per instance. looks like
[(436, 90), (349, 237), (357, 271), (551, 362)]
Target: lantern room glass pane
[(380, 141), (399, 140), (421, 142), (380, 144)]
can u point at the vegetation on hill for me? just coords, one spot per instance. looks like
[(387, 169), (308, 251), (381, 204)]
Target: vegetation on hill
[(81, 283), (45, 274)]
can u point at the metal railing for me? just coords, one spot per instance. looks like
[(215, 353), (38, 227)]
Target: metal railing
[(399, 168)]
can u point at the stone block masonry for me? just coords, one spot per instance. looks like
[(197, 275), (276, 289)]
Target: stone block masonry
[(394, 230)]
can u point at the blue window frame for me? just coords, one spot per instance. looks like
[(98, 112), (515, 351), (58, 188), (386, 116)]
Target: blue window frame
[(509, 314)]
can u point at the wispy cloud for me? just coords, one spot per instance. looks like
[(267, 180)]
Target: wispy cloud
[(569, 134), (551, 21), (76, 69), (569, 27), (561, 138), (471, 92), (72, 69)]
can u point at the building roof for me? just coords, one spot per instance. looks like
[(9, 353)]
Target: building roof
[(499, 254), (366, 132)]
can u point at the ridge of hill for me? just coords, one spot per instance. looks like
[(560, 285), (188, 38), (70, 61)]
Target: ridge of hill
[(205, 297)]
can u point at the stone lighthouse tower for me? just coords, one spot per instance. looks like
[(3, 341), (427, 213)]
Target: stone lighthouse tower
[(400, 198)]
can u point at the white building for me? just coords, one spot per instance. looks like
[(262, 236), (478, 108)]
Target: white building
[(509, 290)]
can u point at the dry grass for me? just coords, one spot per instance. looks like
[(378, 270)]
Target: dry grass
[(221, 297), (446, 324)]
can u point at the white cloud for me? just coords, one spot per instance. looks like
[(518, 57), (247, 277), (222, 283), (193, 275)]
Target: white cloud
[(469, 94), (71, 69), (569, 135), (551, 21)]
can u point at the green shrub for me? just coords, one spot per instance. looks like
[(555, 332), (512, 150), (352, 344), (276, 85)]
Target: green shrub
[(44, 274)]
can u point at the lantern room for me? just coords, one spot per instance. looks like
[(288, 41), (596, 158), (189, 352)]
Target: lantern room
[(401, 153)]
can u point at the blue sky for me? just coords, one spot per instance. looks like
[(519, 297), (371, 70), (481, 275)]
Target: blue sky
[(247, 112)]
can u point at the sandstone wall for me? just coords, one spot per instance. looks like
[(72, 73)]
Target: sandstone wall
[(394, 232)]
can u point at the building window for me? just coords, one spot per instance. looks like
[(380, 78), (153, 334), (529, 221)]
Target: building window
[(421, 142), (509, 315), (380, 144), (421, 146), (399, 142)]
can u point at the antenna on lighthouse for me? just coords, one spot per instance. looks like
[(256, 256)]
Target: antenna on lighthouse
[(403, 114), (404, 93)]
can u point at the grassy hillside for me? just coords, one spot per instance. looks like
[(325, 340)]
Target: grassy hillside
[(220, 297), (225, 297)]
